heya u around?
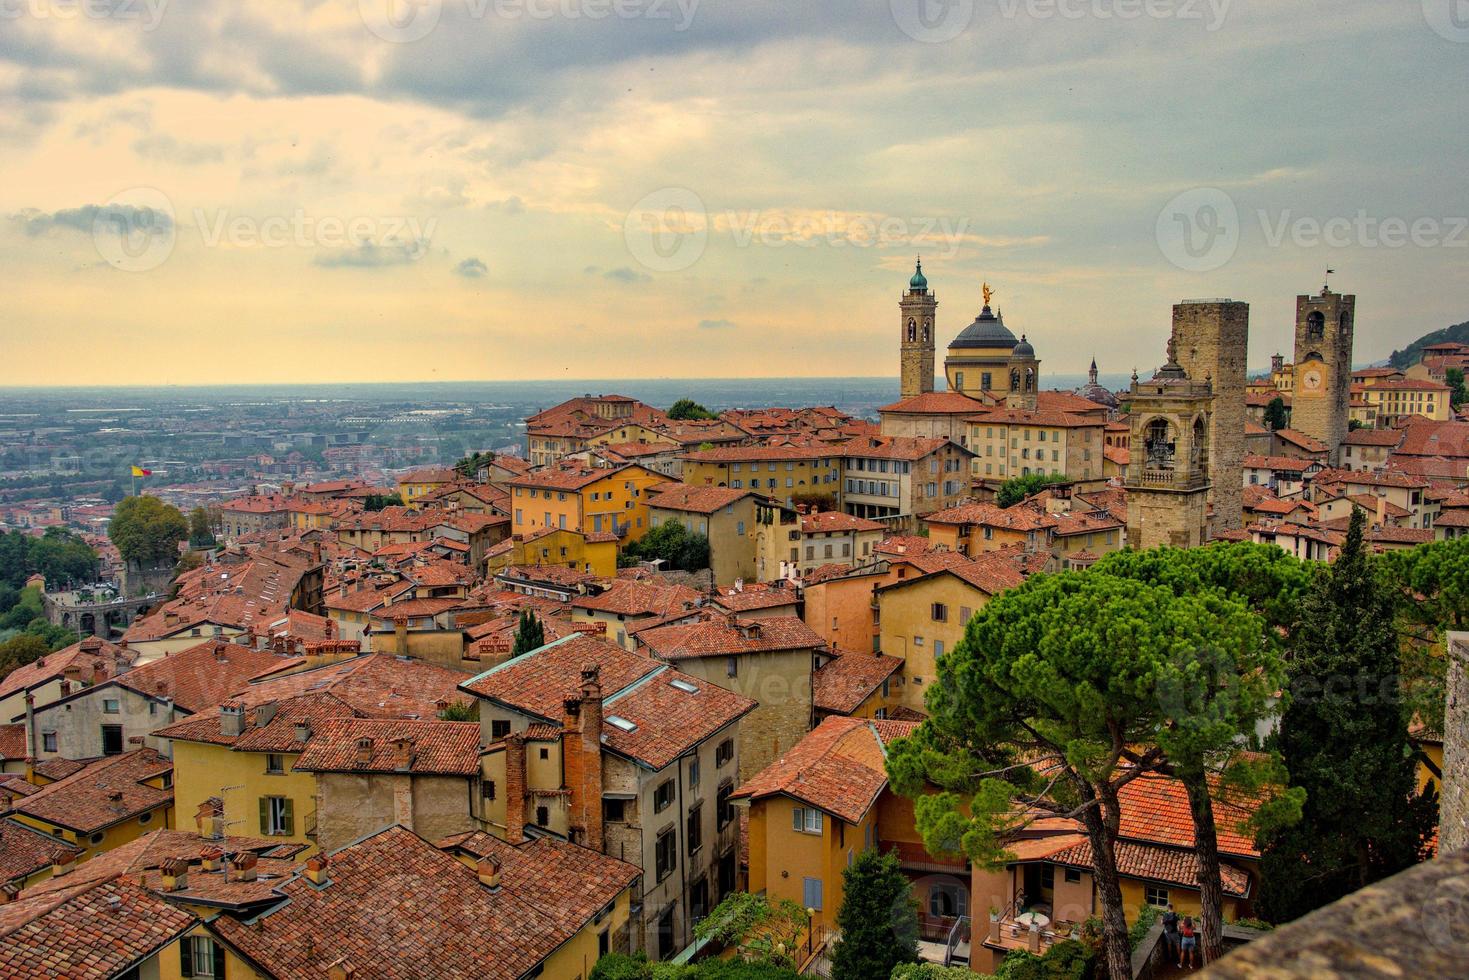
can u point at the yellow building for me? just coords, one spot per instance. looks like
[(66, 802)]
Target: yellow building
[(785, 473), (922, 618), (1385, 403), (104, 805), (419, 483), (728, 518), (594, 553), (243, 751), (1011, 442), (593, 500), (826, 801)]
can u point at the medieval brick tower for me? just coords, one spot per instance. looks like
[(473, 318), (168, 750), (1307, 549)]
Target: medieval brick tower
[(1168, 475), (1211, 338), (918, 306), (1321, 401)]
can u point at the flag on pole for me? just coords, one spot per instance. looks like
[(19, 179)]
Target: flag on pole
[(139, 471)]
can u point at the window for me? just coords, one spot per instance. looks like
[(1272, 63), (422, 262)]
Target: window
[(948, 900), (732, 666), (545, 753), (487, 789), (1156, 896), (663, 796), (806, 820), (939, 612), (724, 813), (145, 818), (112, 740), (614, 811), (811, 893), (723, 753), (693, 773), (1048, 876), (938, 649), (964, 613), (695, 831), (543, 816), (499, 729), (48, 741), (277, 818), (96, 838), (665, 853), (275, 764), (1073, 876), (110, 706), (200, 956)]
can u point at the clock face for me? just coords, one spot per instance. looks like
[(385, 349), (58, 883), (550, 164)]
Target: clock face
[(1312, 380)]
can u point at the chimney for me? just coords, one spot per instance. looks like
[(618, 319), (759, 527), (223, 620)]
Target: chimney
[(316, 870), (590, 750), (1382, 512), (303, 731), (242, 868), (340, 970), (400, 635), (231, 719), (402, 754), (175, 872), (30, 729), (489, 873), (9, 893), (73, 672), (515, 788), (265, 713), (63, 864), (211, 858), (364, 751)]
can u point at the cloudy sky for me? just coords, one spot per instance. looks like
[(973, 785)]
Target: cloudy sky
[(322, 190)]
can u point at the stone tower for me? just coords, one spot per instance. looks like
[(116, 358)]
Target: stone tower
[(1168, 475), (1211, 339), (918, 306), (1025, 375), (1321, 400)]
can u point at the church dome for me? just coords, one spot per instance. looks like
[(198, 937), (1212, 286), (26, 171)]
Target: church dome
[(1095, 391), (986, 332), (919, 280), (1023, 349)]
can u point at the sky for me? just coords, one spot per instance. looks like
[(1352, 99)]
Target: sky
[(197, 191)]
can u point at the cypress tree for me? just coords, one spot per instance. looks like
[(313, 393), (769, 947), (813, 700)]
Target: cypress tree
[(878, 919), (529, 634)]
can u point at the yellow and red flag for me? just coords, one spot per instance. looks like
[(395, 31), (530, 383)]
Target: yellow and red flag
[(139, 471)]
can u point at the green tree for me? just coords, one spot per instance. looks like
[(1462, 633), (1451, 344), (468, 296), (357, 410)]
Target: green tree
[(878, 919), (529, 634), (1276, 416), (1354, 424), (21, 650), (1344, 738), (201, 527), (1017, 488), (681, 549), (1091, 679), (687, 408), (459, 711), (375, 502), (148, 531), (470, 465), (1431, 586), (1454, 378)]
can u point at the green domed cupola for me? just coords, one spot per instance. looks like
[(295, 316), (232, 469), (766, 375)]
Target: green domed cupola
[(919, 280)]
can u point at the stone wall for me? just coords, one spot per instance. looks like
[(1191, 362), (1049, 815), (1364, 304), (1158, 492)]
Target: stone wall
[(1211, 339)]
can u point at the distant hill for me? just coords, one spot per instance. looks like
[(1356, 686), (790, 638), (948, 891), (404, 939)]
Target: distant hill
[(1413, 353)]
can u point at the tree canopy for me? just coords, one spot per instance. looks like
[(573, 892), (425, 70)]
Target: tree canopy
[(1017, 488), (687, 408), (878, 919), (1276, 416), (530, 634), (681, 549), (148, 531)]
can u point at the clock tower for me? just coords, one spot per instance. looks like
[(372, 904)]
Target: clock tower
[(1321, 398)]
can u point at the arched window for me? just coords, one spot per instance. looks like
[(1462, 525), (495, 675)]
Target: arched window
[(1316, 325), (925, 333), (1346, 325), (912, 331), (1030, 379), (1200, 454), (1015, 380), (1159, 444)]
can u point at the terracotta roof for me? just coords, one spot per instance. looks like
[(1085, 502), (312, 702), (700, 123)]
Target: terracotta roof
[(724, 635), (445, 748), (1300, 439), (567, 476), (436, 920), (838, 767), (202, 675), (370, 686), (1386, 478), (909, 448), (13, 742), (638, 597), (669, 712), (843, 683), (83, 656), (59, 768), (695, 499), (1373, 437), (1155, 809), (575, 882), (761, 453), (935, 403), (537, 682), (1017, 518), (1422, 438), (1150, 862), (24, 851), (81, 934), (835, 521), (755, 596), (1400, 535), (106, 792), (1288, 463)]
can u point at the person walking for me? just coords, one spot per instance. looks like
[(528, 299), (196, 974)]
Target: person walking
[(1170, 933), (1188, 943)]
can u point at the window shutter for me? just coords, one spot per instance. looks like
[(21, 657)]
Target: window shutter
[(218, 960), (797, 820), (265, 815), (186, 956), (288, 817)]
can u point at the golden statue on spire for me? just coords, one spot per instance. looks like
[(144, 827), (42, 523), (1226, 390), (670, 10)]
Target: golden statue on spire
[(988, 292)]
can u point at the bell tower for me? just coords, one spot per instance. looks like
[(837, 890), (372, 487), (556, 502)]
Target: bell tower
[(1321, 399), (918, 306), (1168, 473)]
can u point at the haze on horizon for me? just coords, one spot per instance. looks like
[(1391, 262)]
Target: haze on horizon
[(414, 190)]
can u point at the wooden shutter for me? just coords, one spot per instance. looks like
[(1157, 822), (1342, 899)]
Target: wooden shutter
[(288, 817), (265, 815), (186, 956), (218, 959)]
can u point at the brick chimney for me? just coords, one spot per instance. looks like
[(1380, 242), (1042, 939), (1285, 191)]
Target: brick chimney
[(175, 873), (316, 869), (364, 751), (587, 797), (242, 867), (489, 873), (515, 788), (210, 858), (63, 864), (403, 754)]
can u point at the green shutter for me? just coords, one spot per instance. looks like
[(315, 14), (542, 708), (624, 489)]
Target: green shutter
[(186, 957), (218, 959), (265, 815), (290, 817)]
